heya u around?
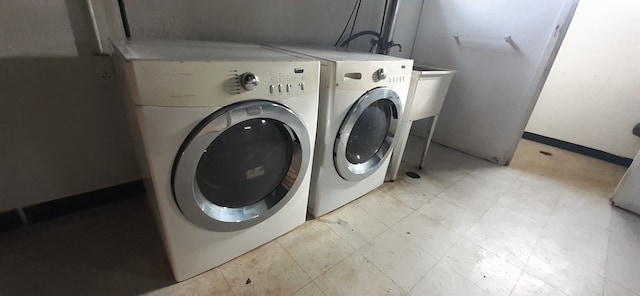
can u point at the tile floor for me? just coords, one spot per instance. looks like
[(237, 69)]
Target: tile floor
[(542, 226)]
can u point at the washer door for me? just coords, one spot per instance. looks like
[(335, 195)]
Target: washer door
[(240, 165), (366, 134)]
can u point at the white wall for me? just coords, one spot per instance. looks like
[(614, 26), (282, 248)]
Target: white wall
[(592, 95), (62, 126), (315, 22)]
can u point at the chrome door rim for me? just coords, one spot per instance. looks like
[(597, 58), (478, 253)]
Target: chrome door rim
[(204, 213), (356, 172)]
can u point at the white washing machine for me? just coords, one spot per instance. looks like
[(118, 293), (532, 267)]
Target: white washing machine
[(225, 134), (361, 100)]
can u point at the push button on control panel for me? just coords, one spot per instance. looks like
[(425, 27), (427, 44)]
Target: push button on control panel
[(283, 83), (396, 79)]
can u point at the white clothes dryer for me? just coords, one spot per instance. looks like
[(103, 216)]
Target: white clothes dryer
[(361, 101), (225, 135)]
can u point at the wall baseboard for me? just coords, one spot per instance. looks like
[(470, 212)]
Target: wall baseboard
[(597, 154), (71, 204), (9, 219)]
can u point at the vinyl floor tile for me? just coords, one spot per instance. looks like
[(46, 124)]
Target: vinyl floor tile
[(542, 226)]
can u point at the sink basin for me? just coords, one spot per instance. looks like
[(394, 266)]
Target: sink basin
[(427, 90)]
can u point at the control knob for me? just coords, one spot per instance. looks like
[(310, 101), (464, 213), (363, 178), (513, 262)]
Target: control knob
[(380, 74), (249, 81)]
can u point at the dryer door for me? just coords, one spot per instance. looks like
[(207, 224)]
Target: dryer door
[(366, 134), (240, 165)]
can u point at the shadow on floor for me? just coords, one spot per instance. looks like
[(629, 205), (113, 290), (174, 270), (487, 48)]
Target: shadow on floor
[(569, 168), (109, 250)]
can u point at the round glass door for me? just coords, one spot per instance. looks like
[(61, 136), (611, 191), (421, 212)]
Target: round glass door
[(240, 165), (366, 134)]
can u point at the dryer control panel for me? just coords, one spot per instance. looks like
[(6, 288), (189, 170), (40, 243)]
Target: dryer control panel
[(175, 83)]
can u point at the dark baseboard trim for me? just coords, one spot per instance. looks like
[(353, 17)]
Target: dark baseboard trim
[(597, 154), (9, 219), (67, 205)]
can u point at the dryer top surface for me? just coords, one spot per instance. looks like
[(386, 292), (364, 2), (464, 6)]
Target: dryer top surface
[(336, 54), (188, 50)]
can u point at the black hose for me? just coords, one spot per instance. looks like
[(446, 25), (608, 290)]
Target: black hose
[(390, 45), (356, 35), (125, 20), (384, 15)]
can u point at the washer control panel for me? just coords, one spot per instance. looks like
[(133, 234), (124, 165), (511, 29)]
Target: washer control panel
[(358, 75)]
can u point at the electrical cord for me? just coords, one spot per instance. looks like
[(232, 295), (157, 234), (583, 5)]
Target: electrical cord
[(382, 45), (355, 5), (355, 19), (356, 35), (374, 42)]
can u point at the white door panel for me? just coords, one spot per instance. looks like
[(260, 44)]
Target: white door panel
[(500, 49)]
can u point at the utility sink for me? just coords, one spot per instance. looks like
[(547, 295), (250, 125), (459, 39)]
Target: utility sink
[(428, 88)]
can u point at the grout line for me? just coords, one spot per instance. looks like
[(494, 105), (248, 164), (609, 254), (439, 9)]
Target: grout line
[(297, 263), (606, 260), (412, 210), (345, 241), (535, 245), (454, 232), (463, 209), (453, 270), (380, 270), (438, 222), (517, 281), (390, 228), (499, 256), (316, 284), (356, 249), (225, 278), (470, 282), (500, 195), (332, 267), (381, 232), (312, 280), (430, 269)]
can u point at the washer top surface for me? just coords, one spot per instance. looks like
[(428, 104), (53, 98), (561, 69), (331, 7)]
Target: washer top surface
[(338, 54), (188, 50)]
